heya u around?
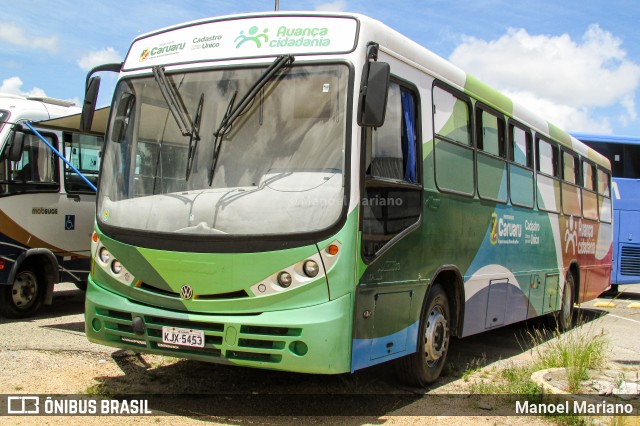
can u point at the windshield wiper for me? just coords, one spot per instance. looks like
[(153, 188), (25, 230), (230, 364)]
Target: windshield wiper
[(233, 113), (173, 100), (194, 136)]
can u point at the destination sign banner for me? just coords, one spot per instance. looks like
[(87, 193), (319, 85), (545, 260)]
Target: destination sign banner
[(242, 38)]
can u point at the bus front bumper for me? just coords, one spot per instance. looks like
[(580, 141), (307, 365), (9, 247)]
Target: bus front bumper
[(314, 339)]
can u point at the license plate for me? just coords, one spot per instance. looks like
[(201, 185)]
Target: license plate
[(183, 337)]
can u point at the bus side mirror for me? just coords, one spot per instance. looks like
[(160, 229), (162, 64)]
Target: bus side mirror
[(373, 94), (89, 105), (16, 145)]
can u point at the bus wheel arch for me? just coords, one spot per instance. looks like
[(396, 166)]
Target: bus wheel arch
[(452, 283), (30, 285)]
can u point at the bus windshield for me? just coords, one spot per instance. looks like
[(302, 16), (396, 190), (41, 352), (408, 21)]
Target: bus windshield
[(280, 165)]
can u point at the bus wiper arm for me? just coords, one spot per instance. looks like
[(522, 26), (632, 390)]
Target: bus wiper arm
[(173, 100), (194, 136), (217, 138), (234, 112)]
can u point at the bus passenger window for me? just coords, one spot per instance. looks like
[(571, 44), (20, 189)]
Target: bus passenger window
[(570, 168), (454, 158), (37, 164), (588, 176)]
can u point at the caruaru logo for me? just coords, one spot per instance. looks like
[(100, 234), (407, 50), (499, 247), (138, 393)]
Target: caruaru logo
[(162, 50)]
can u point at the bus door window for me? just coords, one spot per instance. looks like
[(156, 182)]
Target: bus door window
[(391, 199), (521, 179), (83, 152)]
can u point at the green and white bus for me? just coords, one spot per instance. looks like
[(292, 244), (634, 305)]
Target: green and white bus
[(317, 193)]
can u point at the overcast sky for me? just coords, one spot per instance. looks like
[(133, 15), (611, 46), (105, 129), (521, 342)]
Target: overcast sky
[(576, 63)]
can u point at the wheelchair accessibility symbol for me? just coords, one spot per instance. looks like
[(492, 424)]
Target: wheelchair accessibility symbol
[(70, 222)]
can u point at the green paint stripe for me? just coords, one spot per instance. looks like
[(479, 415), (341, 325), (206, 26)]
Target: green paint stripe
[(488, 95)]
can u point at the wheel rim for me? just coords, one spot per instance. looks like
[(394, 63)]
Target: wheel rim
[(24, 292), (436, 335)]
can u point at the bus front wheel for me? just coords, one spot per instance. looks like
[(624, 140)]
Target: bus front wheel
[(425, 365), (24, 296)]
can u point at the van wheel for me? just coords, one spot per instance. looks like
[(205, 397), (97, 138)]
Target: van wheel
[(24, 297), (425, 365)]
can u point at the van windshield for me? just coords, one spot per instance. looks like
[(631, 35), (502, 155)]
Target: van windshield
[(279, 170)]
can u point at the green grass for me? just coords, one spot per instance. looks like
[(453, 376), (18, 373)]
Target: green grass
[(577, 351)]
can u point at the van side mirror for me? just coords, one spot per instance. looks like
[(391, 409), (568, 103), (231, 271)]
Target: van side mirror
[(373, 94), (89, 105), (16, 145)]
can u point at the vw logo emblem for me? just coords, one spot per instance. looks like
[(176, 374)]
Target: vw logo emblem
[(186, 292)]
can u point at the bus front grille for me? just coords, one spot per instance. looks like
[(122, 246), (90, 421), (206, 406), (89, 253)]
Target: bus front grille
[(253, 343), (630, 260)]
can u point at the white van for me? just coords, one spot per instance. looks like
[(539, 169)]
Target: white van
[(46, 208)]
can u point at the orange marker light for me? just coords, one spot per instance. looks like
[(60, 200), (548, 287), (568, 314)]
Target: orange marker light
[(333, 249), (94, 237)]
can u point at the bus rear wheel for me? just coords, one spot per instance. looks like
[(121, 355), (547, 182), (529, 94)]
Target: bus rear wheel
[(24, 296), (565, 315), (425, 365)]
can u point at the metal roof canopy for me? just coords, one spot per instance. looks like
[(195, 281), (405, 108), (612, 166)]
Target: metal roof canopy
[(592, 137), (72, 122)]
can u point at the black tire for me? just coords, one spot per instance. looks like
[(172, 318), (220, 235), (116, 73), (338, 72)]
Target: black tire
[(81, 285), (425, 365), (564, 317), (613, 288), (24, 297)]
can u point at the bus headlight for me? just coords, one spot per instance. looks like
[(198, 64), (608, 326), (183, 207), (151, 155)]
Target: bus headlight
[(284, 279), (105, 256), (311, 268), (116, 267)]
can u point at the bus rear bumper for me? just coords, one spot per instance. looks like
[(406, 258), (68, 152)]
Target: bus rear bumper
[(314, 339)]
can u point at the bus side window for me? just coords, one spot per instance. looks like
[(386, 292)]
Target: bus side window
[(589, 194), (454, 158), (491, 157), (604, 195), (571, 196), (548, 182), (37, 163), (521, 178)]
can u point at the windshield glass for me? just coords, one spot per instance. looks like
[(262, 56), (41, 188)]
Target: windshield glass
[(279, 168)]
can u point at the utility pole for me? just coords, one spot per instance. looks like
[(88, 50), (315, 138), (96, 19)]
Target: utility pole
[(277, 1)]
